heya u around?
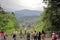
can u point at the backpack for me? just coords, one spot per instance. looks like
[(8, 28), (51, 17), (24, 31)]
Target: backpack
[(14, 35)]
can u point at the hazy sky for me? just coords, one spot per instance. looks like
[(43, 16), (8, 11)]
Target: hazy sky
[(13, 5)]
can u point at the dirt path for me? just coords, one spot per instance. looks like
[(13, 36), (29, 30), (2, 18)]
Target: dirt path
[(24, 38)]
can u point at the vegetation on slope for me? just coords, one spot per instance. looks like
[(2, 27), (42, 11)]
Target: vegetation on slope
[(8, 21)]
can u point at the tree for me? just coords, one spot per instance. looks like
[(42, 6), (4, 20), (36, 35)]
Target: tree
[(52, 14), (3, 19), (8, 21)]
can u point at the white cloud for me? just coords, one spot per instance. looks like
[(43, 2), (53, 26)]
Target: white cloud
[(22, 4)]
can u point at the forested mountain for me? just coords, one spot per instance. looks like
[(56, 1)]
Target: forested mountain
[(26, 12), (27, 16)]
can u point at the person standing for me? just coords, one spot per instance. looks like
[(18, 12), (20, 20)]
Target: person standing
[(28, 36), (39, 36), (14, 35), (53, 36), (32, 35), (21, 33), (0, 34), (3, 35), (43, 35), (35, 35), (57, 36)]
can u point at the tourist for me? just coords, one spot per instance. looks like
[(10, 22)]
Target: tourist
[(21, 33), (39, 36), (3, 35), (14, 35), (35, 35), (43, 35), (53, 36), (0, 34), (28, 36), (57, 36), (32, 35)]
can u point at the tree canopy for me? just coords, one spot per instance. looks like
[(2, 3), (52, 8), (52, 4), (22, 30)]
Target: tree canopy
[(51, 15), (8, 21)]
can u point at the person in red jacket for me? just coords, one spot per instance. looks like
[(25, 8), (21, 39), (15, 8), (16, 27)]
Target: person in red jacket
[(53, 36), (0, 34), (3, 35)]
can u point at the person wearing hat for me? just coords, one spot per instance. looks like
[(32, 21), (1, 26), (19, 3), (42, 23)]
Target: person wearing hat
[(53, 36)]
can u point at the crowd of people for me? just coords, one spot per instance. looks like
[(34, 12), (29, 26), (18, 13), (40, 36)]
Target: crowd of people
[(4, 35), (42, 35), (55, 36), (31, 35), (36, 35)]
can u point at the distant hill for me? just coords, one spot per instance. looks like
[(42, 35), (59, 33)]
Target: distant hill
[(27, 16), (26, 12)]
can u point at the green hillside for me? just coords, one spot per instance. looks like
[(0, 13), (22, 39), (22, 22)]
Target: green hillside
[(8, 21)]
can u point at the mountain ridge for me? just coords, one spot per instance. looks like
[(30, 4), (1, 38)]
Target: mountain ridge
[(26, 12), (28, 16)]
